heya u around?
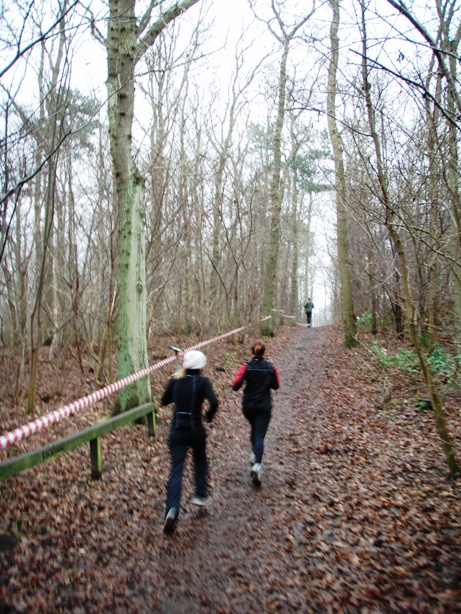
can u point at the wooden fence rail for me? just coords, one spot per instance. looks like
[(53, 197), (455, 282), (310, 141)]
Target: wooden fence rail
[(92, 434)]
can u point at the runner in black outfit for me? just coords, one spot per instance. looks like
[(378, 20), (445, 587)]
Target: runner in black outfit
[(259, 377), (187, 390)]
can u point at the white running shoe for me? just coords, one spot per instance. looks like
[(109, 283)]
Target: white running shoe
[(170, 521), (203, 501), (256, 474), (252, 458)]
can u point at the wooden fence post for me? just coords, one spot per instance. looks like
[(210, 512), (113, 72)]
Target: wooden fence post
[(96, 458)]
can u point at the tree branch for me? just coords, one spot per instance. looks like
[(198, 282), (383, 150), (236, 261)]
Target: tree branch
[(155, 30), (419, 86), (44, 36), (402, 8)]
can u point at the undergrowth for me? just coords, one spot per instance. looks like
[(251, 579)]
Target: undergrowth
[(444, 366)]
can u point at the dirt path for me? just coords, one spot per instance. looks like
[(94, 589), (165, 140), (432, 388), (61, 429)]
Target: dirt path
[(327, 531), (354, 515), (238, 556)]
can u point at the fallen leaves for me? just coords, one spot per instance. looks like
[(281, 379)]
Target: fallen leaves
[(355, 512)]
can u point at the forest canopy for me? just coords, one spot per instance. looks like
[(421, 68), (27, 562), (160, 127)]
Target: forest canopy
[(186, 167)]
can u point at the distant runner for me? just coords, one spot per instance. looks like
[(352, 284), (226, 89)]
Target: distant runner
[(308, 307)]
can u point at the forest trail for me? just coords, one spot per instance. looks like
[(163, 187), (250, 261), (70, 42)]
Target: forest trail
[(354, 514), (247, 552), (323, 532)]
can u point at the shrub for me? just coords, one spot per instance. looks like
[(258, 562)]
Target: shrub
[(441, 362), (405, 360), (444, 364)]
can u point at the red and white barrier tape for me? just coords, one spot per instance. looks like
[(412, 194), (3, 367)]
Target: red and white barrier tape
[(68, 410), (283, 314)]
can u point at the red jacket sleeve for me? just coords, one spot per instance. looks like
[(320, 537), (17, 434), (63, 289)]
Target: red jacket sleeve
[(275, 384), (239, 378)]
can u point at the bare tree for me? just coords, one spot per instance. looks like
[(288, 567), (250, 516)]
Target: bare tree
[(127, 42), (347, 307), (285, 36), (411, 314)]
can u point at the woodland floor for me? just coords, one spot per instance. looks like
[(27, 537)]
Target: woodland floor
[(355, 514)]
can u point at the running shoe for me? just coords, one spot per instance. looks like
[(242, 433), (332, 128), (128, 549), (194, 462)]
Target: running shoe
[(170, 521), (256, 474), (203, 501)]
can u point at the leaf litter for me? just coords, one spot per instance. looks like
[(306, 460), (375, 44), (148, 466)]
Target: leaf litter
[(356, 512)]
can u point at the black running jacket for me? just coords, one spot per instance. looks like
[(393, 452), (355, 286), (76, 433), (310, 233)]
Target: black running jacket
[(188, 394), (259, 377)]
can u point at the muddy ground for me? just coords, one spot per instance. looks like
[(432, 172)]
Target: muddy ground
[(356, 512)]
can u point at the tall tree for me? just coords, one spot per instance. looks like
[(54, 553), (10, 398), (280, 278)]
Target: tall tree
[(347, 307), (450, 46), (392, 224), (127, 42), (444, 46), (56, 105), (284, 36)]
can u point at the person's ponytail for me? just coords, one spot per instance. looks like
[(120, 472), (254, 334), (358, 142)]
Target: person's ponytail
[(258, 348)]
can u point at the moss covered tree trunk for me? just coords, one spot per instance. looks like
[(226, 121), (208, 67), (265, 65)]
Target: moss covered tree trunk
[(126, 44)]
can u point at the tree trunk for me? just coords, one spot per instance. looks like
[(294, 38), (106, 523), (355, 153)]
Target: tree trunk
[(308, 290), (294, 299), (132, 341), (275, 199), (433, 118), (123, 52), (453, 186), (216, 289), (36, 316), (276, 187), (410, 311), (371, 270), (347, 307)]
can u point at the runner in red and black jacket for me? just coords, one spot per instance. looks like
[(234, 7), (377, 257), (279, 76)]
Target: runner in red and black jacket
[(259, 377)]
